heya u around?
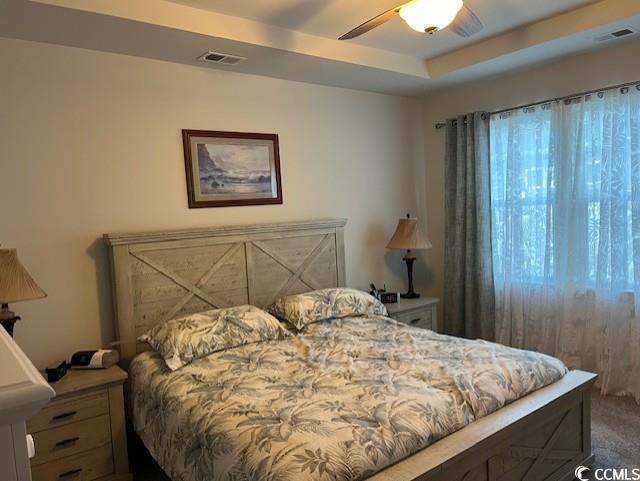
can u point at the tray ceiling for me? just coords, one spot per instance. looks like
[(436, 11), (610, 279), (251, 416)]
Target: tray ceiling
[(332, 18), (297, 39)]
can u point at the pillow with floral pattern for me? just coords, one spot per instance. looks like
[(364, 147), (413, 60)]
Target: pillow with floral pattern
[(185, 339), (300, 310)]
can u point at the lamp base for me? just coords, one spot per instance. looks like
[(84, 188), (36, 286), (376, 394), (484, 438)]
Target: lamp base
[(8, 319), (410, 294)]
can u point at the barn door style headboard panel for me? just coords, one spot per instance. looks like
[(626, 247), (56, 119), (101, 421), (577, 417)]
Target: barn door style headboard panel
[(162, 275)]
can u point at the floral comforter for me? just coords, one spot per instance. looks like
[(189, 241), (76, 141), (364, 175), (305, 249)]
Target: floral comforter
[(341, 401)]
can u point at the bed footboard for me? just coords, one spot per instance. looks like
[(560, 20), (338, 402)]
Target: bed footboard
[(543, 436)]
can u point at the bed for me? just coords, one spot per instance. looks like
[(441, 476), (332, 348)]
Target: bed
[(544, 435)]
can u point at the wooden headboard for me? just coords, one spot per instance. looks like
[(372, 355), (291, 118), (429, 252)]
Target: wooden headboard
[(161, 275)]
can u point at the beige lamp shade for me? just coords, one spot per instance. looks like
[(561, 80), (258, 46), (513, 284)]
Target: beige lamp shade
[(408, 236), (15, 282)]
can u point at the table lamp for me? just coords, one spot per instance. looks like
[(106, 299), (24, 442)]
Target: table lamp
[(15, 285), (408, 236)]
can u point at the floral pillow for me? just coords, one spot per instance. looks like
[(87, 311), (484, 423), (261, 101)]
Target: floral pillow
[(302, 309), (191, 337)]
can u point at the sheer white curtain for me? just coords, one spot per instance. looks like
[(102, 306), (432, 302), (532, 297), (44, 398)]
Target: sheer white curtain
[(565, 187)]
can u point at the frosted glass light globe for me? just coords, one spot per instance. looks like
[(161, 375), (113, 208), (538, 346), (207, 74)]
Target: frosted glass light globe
[(430, 15)]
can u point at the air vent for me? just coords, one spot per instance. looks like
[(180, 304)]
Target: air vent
[(622, 33), (617, 34), (221, 58)]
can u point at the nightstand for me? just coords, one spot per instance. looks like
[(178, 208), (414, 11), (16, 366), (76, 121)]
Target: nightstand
[(421, 312), (80, 435)]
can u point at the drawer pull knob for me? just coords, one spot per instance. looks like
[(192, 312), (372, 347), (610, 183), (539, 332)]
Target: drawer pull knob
[(68, 474), (415, 321), (64, 415), (66, 442)]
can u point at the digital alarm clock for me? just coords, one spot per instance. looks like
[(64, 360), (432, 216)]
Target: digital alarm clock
[(388, 297), (100, 359)]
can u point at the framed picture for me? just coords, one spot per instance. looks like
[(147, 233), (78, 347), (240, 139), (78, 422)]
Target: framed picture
[(231, 168)]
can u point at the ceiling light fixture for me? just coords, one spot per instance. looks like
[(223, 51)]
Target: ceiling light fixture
[(430, 15)]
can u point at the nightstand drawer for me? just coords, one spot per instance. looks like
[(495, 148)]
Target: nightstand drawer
[(71, 439), (417, 312), (83, 467), (62, 412), (422, 318)]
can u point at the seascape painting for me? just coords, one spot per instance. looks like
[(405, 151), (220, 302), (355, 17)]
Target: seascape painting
[(231, 168), (234, 169)]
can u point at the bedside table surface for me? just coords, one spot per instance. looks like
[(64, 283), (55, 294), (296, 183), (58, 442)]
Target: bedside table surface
[(81, 379), (410, 304)]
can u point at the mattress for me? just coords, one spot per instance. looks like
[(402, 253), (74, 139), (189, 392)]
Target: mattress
[(342, 400)]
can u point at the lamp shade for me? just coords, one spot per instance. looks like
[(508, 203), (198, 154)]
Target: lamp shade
[(15, 282), (408, 236)]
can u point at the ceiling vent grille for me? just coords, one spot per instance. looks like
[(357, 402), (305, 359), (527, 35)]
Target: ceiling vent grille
[(221, 58), (617, 34)]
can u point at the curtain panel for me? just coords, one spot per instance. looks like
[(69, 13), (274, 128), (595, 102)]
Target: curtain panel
[(565, 229), (468, 293)]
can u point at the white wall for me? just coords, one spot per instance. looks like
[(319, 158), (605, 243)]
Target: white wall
[(608, 66), (91, 143)]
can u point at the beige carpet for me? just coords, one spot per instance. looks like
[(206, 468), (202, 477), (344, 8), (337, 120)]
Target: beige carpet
[(615, 431)]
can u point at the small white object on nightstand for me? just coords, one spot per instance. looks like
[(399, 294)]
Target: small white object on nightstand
[(421, 312)]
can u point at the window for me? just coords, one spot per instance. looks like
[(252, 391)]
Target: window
[(565, 187)]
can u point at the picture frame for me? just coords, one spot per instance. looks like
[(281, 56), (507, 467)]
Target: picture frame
[(226, 169)]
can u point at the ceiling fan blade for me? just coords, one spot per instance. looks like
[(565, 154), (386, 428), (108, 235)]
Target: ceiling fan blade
[(371, 24), (466, 23)]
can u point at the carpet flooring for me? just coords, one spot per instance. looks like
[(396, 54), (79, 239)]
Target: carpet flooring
[(615, 437), (615, 431)]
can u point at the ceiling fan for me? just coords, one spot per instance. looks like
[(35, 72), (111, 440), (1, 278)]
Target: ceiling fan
[(427, 16)]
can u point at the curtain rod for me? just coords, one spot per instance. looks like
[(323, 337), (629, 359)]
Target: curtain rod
[(441, 125)]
